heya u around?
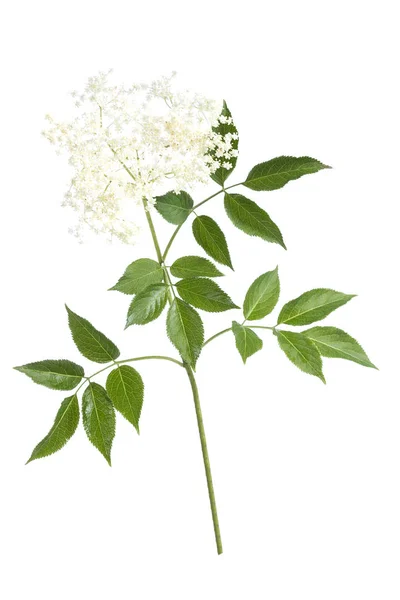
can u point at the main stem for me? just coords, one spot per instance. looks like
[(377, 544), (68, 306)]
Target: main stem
[(206, 458), (196, 398)]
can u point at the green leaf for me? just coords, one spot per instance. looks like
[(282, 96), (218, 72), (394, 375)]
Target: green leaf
[(147, 305), (98, 417), (210, 237), (205, 294), (175, 208), (194, 266), (335, 343), (301, 351), (54, 374), (225, 130), (312, 306), (262, 296), (247, 216), (125, 389), (247, 342), (276, 173), (90, 342), (138, 275), (64, 427), (185, 330)]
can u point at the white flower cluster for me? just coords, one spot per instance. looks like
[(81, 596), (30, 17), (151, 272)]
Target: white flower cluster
[(127, 144)]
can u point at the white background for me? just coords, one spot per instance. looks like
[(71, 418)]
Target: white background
[(306, 475)]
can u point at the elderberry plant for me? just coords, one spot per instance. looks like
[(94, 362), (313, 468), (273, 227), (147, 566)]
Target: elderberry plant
[(128, 146)]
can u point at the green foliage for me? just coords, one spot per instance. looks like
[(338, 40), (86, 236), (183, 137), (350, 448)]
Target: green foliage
[(301, 352), (194, 266), (148, 281), (138, 275), (90, 342), (125, 389), (312, 306), (175, 208), (54, 374), (262, 296), (335, 343), (205, 294), (247, 342), (64, 427), (211, 238), (185, 330), (147, 305), (98, 417), (247, 216), (222, 174), (276, 173)]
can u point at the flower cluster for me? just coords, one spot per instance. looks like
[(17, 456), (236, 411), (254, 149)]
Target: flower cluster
[(132, 143)]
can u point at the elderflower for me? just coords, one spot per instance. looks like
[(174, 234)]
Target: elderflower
[(127, 145)]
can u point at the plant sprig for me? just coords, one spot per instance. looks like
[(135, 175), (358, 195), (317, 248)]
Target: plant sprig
[(151, 287)]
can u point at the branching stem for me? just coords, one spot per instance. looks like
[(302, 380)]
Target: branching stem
[(195, 391)]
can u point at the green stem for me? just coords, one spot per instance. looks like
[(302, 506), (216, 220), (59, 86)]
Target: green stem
[(153, 233), (196, 398), (230, 328), (206, 458), (177, 362), (216, 335), (128, 360), (121, 362)]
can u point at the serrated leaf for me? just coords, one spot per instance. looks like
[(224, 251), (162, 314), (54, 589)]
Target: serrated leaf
[(125, 389), (138, 275), (247, 342), (90, 342), (336, 343), (211, 238), (262, 296), (175, 208), (98, 417), (54, 374), (247, 216), (64, 427), (301, 352), (185, 330), (205, 294), (312, 306), (194, 266), (147, 305), (276, 173), (225, 129)]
